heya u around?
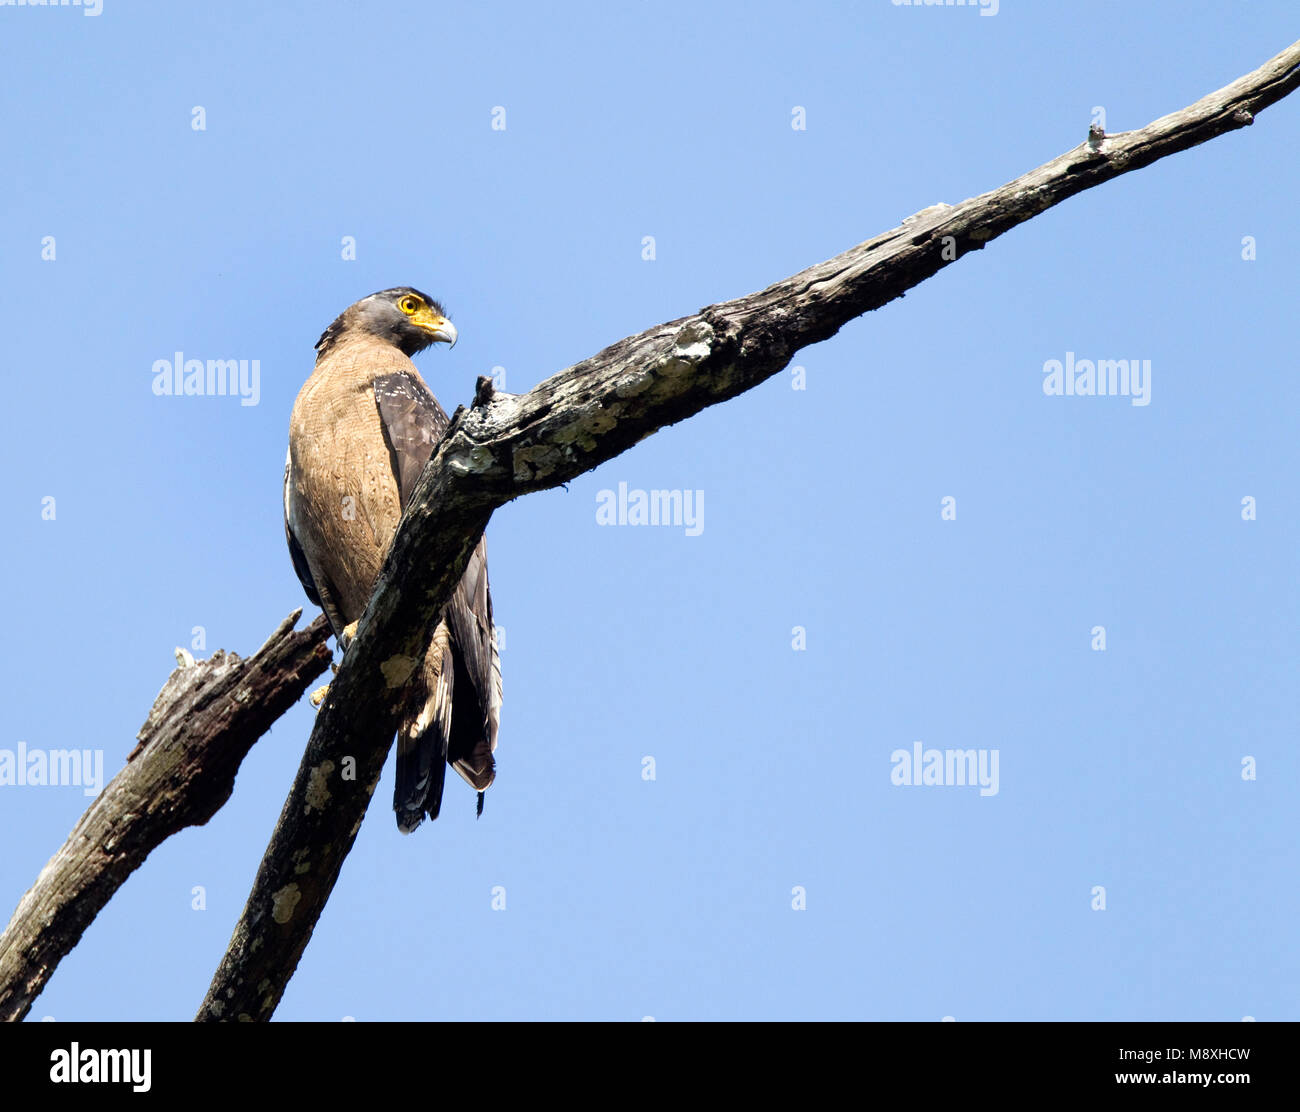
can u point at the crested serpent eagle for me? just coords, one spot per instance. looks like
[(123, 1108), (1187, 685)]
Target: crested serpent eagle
[(362, 429)]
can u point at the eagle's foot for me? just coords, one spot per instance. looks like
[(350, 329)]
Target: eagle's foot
[(345, 639), (318, 696)]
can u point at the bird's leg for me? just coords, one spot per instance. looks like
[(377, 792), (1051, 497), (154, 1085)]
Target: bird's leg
[(318, 696), (344, 640)]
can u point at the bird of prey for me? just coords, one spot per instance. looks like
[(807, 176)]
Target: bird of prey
[(362, 429)]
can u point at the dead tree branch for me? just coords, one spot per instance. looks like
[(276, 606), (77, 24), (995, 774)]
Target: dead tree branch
[(203, 723), (505, 446)]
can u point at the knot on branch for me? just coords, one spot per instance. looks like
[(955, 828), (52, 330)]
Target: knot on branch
[(470, 461), (694, 342)]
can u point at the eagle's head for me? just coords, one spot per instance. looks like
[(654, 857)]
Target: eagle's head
[(404, 317)]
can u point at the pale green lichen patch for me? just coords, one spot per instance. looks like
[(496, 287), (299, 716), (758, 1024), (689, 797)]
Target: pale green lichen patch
[(283, 902), (397, 669), (475, 460), (317, 786), (536, 461), (584, 431)]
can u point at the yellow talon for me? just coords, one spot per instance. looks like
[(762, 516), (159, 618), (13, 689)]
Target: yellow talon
[(318, 696), (349, 632)]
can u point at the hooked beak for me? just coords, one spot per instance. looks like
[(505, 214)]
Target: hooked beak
[(440, 328)]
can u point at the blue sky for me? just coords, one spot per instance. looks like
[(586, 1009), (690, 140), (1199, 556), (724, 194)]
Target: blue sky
[(672, 897)]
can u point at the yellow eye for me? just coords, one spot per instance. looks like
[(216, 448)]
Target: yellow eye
[(408, 305)]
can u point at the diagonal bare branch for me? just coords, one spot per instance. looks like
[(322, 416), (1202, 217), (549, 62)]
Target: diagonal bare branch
[(505, 446), (202, 725)]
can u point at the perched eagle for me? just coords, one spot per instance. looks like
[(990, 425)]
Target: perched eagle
[(362, 429)]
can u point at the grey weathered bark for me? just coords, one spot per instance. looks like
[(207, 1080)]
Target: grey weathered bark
[(203, 723), (505, 446)]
